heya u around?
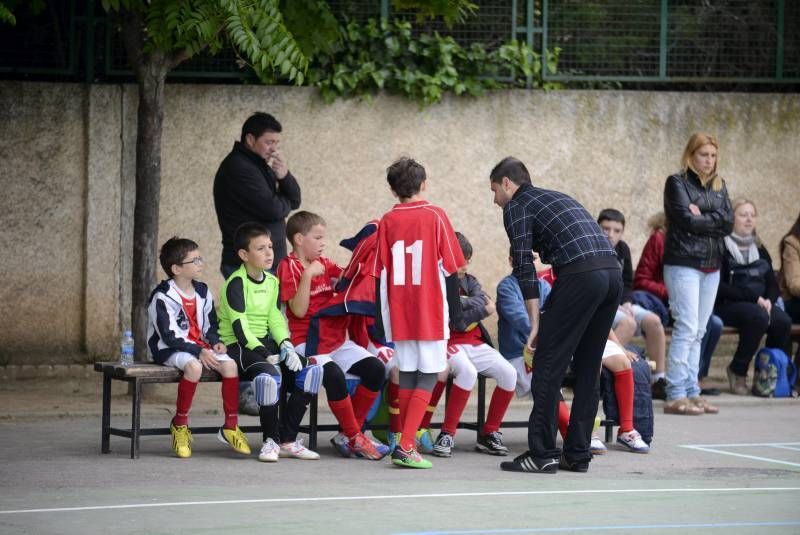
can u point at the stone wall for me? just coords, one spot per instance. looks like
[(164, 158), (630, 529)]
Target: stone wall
[(68, 163)]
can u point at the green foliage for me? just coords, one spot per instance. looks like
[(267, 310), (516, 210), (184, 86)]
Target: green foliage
[(312, 24), (7, 16), (255, 28), (385, 55), (452, 11)]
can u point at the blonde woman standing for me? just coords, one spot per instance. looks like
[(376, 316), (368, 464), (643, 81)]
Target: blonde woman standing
[(699, 216)]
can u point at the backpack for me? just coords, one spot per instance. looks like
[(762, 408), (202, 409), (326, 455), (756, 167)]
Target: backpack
[(642, 395), (774, 374)]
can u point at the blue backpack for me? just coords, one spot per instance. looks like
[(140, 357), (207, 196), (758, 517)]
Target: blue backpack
[(774, 374), (642, 395)]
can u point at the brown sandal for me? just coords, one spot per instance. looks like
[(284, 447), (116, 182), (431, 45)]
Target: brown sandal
[(682, 406), (701, 403)]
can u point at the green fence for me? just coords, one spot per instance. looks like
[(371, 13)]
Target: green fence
[(626, 42)]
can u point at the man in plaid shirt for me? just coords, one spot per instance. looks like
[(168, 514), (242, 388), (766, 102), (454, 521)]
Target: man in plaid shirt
[(576, 320)]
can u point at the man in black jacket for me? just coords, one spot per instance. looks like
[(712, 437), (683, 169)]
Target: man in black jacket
[(253, 183), (576, 320)]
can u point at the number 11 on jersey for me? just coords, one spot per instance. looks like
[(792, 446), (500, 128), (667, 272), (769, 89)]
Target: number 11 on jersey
[(399, 251)]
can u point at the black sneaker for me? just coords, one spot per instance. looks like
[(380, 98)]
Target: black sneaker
[(443, 447), (530, 464), (659, 389), (492, 443), (573, 466)]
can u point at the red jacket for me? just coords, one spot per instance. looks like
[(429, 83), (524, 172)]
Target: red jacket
[(650, 270)]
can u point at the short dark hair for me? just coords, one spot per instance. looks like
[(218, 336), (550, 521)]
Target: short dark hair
[(302, 222), (246, 232), (611, 214), (258, 123), (512, 168), (405, 177), (466, 246), (173, 252)]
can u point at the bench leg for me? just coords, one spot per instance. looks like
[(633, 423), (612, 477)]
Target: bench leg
[(312, 424), (106, 418), (481, 403), (136, 405), (609, 431)]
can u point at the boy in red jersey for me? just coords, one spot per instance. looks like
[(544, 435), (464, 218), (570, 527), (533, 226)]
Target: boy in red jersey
[(307, 280), (418, 258)]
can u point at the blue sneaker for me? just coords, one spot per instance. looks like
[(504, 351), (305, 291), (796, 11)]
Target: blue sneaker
[(382, 448), (424, 441), (393, 439), (342, 445)]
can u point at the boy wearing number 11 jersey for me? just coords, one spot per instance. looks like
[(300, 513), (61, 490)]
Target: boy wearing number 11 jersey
[(417, 261)]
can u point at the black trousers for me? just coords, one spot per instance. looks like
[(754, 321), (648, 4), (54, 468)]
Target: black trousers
[(752, 322), (574, 325)]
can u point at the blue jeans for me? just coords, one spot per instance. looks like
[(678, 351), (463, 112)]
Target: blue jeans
[(709, 344), (691, 300)]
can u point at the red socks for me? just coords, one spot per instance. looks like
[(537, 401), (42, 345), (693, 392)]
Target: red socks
[(563, 418), (343, 410), (393, 401), (186, 391), (230, 401), (455, 407), (362, 400), (623, 388), (412, 408), (436, 395), (497, 409)]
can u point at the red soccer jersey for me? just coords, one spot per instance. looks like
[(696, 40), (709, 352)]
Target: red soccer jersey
[(470, 338), (417, 249), (290, 270), (190, 309)]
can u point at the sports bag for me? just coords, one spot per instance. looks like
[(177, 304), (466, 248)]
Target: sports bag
[(774, 374)]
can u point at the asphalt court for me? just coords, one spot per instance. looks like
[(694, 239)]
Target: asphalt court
[(736, 472)]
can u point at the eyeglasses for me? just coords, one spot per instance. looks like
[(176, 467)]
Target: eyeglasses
[(197, 261)]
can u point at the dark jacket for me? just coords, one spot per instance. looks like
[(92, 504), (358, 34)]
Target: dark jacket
[(747, 283), (695, 241), (626, 264), (246, 189)]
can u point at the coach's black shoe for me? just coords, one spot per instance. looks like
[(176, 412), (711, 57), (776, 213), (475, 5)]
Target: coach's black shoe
[(527, 463), (573, 466)]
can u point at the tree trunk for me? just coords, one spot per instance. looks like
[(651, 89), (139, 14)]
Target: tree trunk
[(150, 120)]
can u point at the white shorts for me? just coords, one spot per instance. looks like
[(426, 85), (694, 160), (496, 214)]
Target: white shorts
[(180, 359), (639, 314), (426, 356), (344, 356), (523, 387), (611, 349)]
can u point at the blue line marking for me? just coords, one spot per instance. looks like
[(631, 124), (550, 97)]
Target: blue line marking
[(716, 525)]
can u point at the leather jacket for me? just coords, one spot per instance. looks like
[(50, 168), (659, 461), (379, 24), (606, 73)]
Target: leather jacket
[(695, 241)]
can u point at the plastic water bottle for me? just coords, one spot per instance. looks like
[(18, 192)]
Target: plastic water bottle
[(126, 349)]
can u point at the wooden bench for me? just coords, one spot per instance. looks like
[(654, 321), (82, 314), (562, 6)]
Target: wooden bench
[(146, 373)]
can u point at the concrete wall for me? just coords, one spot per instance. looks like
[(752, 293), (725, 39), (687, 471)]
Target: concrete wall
[(66, 213)]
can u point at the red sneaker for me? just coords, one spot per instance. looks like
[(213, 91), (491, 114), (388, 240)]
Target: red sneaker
[(361, 445)]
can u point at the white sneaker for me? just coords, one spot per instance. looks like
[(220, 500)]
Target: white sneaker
[(633, 441), (296, 450), (596, 447), (269, 452)]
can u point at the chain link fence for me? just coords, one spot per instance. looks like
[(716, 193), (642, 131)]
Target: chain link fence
[(691, 44)]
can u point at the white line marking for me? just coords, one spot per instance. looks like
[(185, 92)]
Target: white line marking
[(732, 454), (399, 497), (742, 445), (782, 447)]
